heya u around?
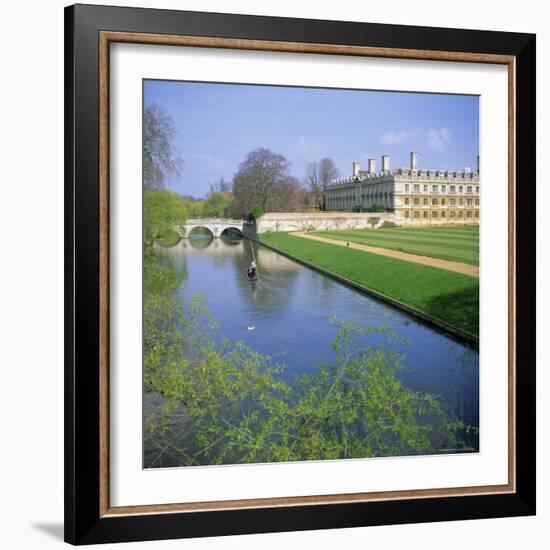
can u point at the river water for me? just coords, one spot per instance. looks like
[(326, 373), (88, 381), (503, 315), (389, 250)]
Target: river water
[(287, 315)]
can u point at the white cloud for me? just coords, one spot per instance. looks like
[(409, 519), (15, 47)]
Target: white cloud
[(394, 138), (438, 140), (435, 139)]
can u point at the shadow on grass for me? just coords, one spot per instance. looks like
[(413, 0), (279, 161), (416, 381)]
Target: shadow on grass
[(459, 308)]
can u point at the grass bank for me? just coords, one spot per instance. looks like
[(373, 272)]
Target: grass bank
[(450, 297), (453, 243)]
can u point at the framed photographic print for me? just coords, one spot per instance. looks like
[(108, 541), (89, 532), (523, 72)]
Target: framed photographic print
[(299, 274)]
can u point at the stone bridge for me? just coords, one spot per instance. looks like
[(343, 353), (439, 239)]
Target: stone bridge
[(216, 226)]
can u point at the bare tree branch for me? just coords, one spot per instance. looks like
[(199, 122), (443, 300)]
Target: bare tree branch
[(159, 159)]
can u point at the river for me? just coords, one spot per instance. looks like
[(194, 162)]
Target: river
[(287, 315)]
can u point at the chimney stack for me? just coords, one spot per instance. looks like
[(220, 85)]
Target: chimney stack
[(385, 163), (414, 159), (356, 168), (372, 166)]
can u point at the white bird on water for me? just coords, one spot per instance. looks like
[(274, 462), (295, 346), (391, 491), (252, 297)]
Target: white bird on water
[(251, 328)]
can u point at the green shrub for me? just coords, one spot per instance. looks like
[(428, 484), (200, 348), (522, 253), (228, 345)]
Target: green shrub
[(162, 210), (256, 212)]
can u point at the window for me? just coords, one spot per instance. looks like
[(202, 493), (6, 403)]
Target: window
[(477, 213), (460, 214), (452, 202), (443, 201), (477, 202), (443, 188), (407, 187), (406, 213), (469, 214), (434, 188), (460, 202), (477, 188), (425, 188), (425, 201), (469, 202), (416, 214), (442, 214), (416, 188), (452, 214), (416, 201), (460, 188), (453, 188), (407, 200), (434, 214), (435, 202), (469, 189), (425, 214)]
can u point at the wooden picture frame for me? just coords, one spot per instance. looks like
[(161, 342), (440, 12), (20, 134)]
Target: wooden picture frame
[(89, 32)]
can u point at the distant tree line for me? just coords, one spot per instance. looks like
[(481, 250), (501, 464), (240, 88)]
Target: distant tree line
[(262, 183)]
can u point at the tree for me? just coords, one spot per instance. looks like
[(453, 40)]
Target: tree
[(319, 175), (313, 182), (217, 205), (256, 212), (258, 179), (290, 197), (159, 159), (220, 186), (162, 210)]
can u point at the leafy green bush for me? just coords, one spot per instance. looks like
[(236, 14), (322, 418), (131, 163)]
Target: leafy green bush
[(217, 205), (162, 210), (256, 212), (376, 208)]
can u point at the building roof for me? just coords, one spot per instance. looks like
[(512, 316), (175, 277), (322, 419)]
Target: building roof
[(410, 175)]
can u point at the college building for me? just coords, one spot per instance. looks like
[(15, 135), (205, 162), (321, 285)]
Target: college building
[(416, 196)]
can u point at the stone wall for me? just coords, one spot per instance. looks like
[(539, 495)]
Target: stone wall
[(320, 221)]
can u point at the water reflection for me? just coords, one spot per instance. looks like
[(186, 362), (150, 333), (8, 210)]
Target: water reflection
[(290, 309)]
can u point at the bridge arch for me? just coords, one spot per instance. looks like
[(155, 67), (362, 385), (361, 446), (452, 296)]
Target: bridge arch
[(190, 229), (231, 229)]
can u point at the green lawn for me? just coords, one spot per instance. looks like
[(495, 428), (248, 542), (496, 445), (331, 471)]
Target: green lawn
[(454, 243), (451, 297)]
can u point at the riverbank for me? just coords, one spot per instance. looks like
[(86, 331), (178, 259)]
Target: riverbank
[(447, 299)]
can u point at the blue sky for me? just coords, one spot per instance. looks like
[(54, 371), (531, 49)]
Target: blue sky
[(217, 125)]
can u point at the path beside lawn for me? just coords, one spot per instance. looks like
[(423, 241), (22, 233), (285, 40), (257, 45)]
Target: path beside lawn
[(457, 267)]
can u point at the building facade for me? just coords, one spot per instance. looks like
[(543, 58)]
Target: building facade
[(416, 196)]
